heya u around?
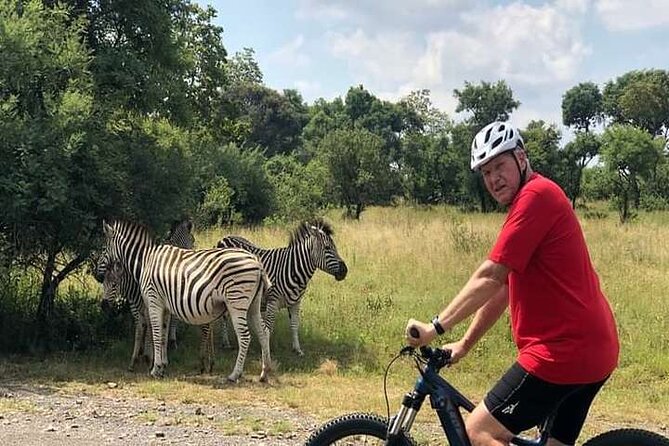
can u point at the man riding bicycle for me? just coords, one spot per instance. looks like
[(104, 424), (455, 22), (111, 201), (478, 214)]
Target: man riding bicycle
[(561, 321)]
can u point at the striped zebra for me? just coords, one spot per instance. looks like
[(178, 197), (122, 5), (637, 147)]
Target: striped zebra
[(290, 268), (119, 285), (197, 287)]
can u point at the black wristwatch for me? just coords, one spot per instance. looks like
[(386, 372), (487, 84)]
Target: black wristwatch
[(437, 325)]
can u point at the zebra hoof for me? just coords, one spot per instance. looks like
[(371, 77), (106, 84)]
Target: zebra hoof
[(158, 372), (298, 352), (232, 379)]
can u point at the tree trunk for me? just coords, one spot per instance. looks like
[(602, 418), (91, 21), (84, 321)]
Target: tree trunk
[(50, 281)]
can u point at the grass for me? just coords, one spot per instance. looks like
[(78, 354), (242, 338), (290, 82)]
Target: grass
[(404, 262)]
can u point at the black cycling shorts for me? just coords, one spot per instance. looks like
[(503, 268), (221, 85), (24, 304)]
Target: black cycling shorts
[(520, 401)]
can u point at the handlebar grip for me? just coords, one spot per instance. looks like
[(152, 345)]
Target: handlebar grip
[(414, 333)]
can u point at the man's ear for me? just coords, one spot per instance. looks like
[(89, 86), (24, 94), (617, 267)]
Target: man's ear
[(522, 158)]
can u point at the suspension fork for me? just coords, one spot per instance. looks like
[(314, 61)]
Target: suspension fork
[(411, 404)]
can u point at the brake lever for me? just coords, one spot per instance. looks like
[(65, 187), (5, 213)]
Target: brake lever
[(408, 350)]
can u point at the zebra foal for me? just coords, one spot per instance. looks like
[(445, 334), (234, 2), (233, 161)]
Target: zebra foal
[(197, 287), (290, 268)]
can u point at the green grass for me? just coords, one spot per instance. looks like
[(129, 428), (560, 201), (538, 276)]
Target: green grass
[(404, 263)]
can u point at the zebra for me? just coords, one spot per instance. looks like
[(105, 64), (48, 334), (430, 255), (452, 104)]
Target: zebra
[(197, 287), (117, 285), (290, 268)]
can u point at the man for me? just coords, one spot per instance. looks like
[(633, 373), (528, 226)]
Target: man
[(561, 322)]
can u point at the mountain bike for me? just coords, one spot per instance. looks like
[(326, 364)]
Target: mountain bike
[(447, 402)]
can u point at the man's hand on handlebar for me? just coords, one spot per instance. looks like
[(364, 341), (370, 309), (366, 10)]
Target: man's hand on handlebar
[(419, 333)]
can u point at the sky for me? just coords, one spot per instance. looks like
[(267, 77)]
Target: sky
[(391, 47)]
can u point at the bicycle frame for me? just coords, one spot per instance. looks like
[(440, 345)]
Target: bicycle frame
[(447, 401)]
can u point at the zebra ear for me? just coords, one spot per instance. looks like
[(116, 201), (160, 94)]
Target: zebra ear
[(107, 229)]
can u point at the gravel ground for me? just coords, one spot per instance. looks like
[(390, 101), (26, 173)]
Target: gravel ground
[(44, 417)]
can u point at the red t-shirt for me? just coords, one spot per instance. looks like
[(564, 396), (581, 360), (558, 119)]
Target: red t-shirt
[(561, 321)]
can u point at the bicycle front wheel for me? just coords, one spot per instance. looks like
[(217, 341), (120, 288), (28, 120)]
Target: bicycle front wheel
[(628, 437), (356, 429)]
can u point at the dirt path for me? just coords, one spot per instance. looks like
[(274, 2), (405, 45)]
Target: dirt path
[(38, 415)]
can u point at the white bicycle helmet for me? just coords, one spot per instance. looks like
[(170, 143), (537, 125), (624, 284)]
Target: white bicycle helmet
[(493, 139)]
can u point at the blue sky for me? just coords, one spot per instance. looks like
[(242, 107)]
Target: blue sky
[(541, 48)]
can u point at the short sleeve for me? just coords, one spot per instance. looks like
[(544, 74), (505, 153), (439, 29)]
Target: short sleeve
[(529, 220)]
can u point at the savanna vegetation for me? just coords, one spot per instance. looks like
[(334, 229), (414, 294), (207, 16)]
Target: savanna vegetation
[(403, 262)]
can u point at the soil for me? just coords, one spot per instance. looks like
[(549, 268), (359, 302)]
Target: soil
[(53, 418)]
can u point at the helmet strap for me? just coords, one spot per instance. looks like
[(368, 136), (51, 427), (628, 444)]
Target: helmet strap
[(523, 173)]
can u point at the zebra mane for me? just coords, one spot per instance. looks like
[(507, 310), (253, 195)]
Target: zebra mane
[(303, 231), (120, 224)]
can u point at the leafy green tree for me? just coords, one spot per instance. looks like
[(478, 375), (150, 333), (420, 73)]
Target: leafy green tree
[(582, 106), (577, 154), (423, 116), (274, 121), (324, 117), (639, 98), (49, 184), (630, 154), (357, 169), (486, 102), (300, 189), (542, 143), (242, 68), (251, 191), (217, 208)]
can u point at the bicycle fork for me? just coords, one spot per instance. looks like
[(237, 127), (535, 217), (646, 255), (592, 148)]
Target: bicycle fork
[(449, 416), (404, 419)]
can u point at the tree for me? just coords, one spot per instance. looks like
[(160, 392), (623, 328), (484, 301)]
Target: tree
[(577, 154), (357, 169), (582, 106), (424, 117), (242, 68), (639, 98), (300, 189), (629, 154), (274, 121), (486, 102), (542, 143), (48, 184)]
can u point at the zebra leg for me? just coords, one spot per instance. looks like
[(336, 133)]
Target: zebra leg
[(172, 338), (206, 349), (167, 318), (270, 314), (156, 315), (294, 315), (263, 336), (138, 347), (241, 327), (225, 332)]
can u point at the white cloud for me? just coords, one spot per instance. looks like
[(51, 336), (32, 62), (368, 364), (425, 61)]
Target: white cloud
[(572, 6), (623, 15), (384, 59), (374, 14), (529, 47), (291, 54)]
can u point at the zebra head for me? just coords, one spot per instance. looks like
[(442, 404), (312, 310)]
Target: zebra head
[(111, 286), (324, 251), (181, 234)]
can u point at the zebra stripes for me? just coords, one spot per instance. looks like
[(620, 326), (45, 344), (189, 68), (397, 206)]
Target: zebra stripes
[(197, 287), (290, 268), (117, 285)]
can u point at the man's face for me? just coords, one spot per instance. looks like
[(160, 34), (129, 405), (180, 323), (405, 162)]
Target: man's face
[(501, 176)]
